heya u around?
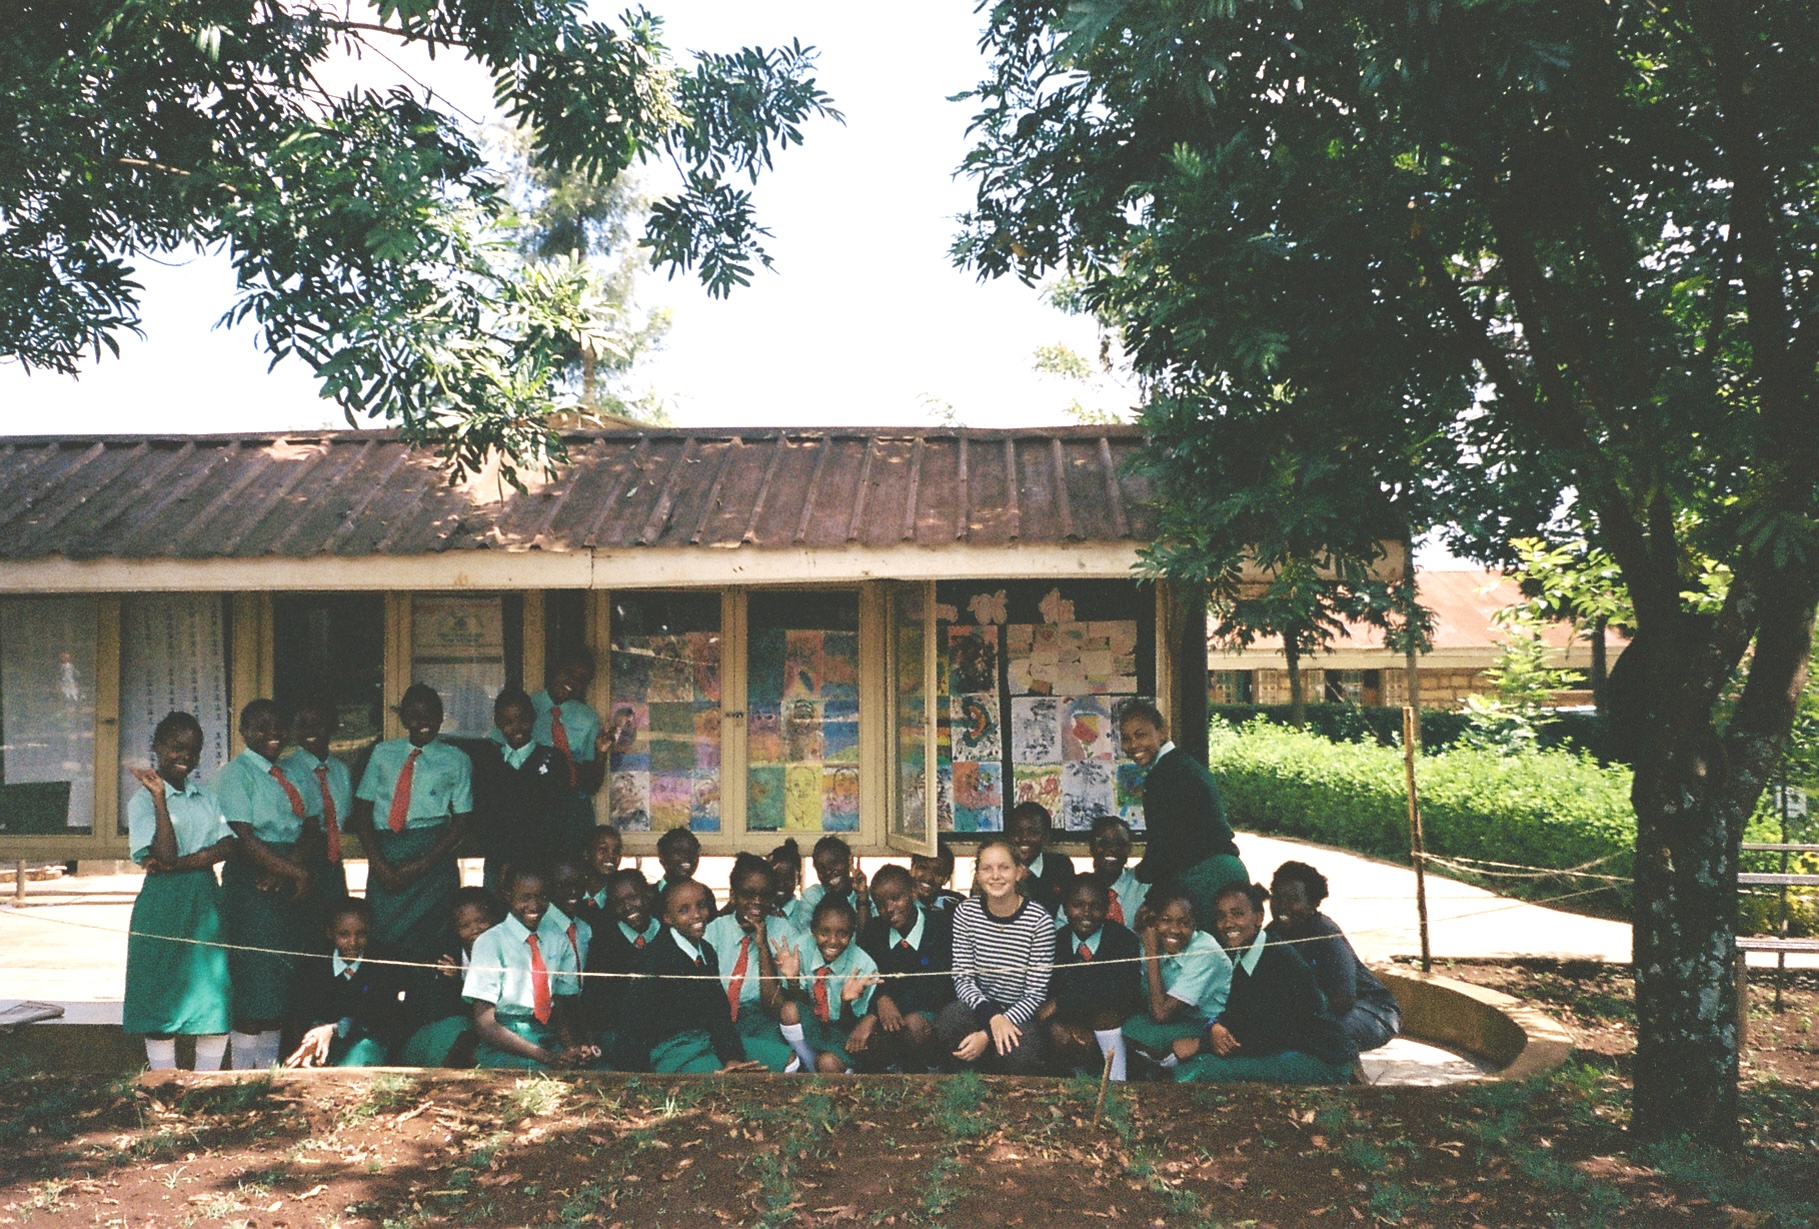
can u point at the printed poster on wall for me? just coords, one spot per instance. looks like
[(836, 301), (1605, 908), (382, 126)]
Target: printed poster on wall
[(458, 647), (173, 658)]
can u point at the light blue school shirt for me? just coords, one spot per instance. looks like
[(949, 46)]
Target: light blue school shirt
[(914, 935), (514, 756), (725, 934), (580, 722), (812, 896), (1200, 976), (853, 962), (442, 784), (1090, 943), (583, 936), (647, 934), (1128, 892), (251, 795), (196, 819), (499, 971), (300, 766)]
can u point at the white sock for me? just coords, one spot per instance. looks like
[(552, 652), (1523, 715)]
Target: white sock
[(1170, 1062), (211, 1049), (795, 1065), (246, 1050), (792, 1033), (161, 1053), (1111, 1041)]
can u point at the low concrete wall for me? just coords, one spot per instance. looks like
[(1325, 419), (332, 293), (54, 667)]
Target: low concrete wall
[(1518, 1040)]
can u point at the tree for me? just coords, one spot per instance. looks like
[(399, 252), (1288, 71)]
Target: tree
[(367, 234), (1514, 269)]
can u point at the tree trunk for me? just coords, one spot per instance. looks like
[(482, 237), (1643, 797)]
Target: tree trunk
[(1297, 696), (1600, 670), (1685, 933)]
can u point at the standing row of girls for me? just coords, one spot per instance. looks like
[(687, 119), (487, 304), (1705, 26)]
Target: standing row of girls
[(204, 960)]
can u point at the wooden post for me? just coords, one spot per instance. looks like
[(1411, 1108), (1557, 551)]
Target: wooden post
[(1743, 1001), (1411, 734), (19, 882)]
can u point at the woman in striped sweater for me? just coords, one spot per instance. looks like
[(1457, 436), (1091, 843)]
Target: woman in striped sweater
[(1004, 946)]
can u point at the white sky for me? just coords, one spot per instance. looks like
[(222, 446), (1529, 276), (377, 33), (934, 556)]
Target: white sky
[(863, 321)]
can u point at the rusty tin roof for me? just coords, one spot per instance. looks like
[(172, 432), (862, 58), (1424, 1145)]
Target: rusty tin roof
[(363, 493)]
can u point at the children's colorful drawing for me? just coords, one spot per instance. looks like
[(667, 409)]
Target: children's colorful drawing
[(802, 795), (671, 796), (629, 801), (1087, 731), (840, 798), (975, 731), (1039, 783), (1035, 730), (972, 659), (978, 791), (764, 798), (1087, 792), (1129, 796)]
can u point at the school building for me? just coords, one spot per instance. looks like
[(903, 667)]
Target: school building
[(792, 627)]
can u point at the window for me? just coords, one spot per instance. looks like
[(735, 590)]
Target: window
[(468, 647), (332, 645), (47, 714), (802, 711), (664, 712), (1228, 687)]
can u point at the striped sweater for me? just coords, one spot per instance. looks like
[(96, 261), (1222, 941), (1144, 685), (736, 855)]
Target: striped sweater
[(1001, 965)]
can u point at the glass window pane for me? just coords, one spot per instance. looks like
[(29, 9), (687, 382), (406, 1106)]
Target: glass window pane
[(458, 646), (47, 714), (1030, 678), (909, 818), (664, 712), (802, 711), (173, 658), (332, 645)]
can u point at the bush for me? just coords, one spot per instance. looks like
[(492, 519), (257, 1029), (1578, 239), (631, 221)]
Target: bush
[(1544, 808), (1440, 728)]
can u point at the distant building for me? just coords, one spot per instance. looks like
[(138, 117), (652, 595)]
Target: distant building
[(1360, 670)]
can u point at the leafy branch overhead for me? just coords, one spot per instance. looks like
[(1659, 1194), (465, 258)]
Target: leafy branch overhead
[(368, 233)]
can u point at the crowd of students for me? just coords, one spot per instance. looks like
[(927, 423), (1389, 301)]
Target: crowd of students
[(566, 959)]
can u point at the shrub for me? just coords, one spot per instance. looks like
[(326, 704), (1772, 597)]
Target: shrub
[(1440, 728), (1544, 808)]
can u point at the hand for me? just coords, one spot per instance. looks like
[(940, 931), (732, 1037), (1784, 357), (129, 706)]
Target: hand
[(760, 935), (154, 784), (446, 966), (1186, 1047), (860, 1038), (300, 884), (603, 744), (1152, 939), (313, 1052), (856, 986), (573, 1056), (1005, 1035), (154, 864), (973, 1046), (789, 962), (1145, 919), (744, 1064), (1224, 1044), (889, 1018), (859, 885)]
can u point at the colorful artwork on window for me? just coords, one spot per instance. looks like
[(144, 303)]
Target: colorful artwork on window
[(664, 714), (802, 729)]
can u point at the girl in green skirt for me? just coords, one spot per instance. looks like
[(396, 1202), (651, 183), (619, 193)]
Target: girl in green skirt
[(176, 972)]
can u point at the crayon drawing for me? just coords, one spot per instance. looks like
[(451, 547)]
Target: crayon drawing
[(764, 798), (975, 731), (1087, 792), (764, 734), (1087, 732), (840, 798), (1035, 729), (1129, 796), (802, 798), (978, 797), (1039, 783)]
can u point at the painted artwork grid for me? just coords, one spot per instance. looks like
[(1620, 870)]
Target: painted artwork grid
[(802, 731), (665, 724)]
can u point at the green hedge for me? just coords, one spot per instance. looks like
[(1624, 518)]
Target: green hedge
[(1545, 808), (1440, 728)]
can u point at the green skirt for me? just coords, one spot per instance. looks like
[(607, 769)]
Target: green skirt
[(1157, 1038), (414, 924), (429, 1046), (690, 1053), (763, 1043), (1287, 1067), (176, 987), (360, 1052), (825, 1038), (527, 1027), (271, 920)]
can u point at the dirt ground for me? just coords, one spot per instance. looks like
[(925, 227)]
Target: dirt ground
[(385, 1149)]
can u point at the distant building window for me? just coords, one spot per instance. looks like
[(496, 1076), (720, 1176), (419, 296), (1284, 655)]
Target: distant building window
[(1229, 687), (1354, 687)]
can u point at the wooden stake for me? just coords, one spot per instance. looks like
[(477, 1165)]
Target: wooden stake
[(19, 882), (1105, 1083), (1417, 846)]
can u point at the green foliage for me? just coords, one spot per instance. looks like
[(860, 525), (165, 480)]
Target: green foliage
[(1540, 808), (367, 233)]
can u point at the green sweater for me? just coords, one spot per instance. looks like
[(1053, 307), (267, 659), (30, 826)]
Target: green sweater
[(1183, 817)]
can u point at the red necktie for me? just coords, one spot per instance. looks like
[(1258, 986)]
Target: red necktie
[(736, 982), (1116, 912), (401, 792), (1086, 953), (574, 941), (558, 734), (331, 823), (638, 942), (903, 945), (290, 791), (823, 1012), (540, 999)]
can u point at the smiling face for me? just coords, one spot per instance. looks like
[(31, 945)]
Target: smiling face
[(604, 852), (1237, 921), (896, 904), (1085, 907), (515, 721), (688, 909), (1175, 926), (627, 903), (752, 895), (1111, 851), (679, 859), (1141, 739), (527, 900), (1029, 835), (471, 921), (315, 726), (263, 733), (834, 868), (178, 754), (784, 874), (347, 931), (422, 721), (832, 932), (996, 873), (572, 679), (926, 873), (567, 883), (1291, 907)]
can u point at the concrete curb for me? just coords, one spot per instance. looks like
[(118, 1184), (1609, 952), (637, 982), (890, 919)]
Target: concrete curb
[(1517, 1039)]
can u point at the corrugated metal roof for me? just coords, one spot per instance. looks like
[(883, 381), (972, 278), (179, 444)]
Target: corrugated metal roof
[(355, 493)]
